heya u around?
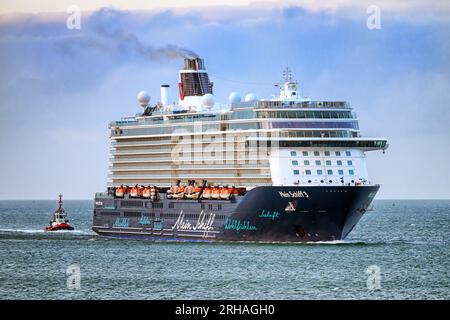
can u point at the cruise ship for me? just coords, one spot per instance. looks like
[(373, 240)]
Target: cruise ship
[(288, 168)]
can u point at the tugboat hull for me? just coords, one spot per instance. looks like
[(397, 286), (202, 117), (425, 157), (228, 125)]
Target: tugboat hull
[(267, 214), (63, 226)]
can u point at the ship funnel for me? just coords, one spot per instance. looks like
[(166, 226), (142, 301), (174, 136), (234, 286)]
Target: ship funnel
[(165, 94), (194, 64), (193, 83)]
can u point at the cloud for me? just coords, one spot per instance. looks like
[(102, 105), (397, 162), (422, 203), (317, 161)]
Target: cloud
[(60, 88)]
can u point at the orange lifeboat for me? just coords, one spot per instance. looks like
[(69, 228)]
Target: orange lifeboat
[(146, 193), (173, 190), (206, 193), (134, 193), (215, 193), (153, 193), (225, 193), (196, 192), (120, 191), (189, 190), (181, 192)]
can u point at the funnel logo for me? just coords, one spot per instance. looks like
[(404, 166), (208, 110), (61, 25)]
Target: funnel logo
[(180, 87)]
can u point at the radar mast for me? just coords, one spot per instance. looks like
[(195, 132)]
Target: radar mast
[(288, 87)]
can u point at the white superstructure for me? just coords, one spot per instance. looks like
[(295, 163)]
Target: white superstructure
[(290, 140)]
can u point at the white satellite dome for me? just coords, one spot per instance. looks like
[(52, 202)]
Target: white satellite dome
[(251, 97), (234, 97), (208, 100), (143, 98)]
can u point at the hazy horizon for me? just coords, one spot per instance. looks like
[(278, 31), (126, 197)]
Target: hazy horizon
[(61, 88)]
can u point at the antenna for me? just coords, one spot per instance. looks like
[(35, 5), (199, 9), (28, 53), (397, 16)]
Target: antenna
[(287, 75), (60, 201), (287, 78)]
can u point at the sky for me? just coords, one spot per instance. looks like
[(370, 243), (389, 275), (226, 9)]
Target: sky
[(60, 88)]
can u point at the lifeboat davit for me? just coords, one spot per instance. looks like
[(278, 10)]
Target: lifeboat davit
[(59, 220)]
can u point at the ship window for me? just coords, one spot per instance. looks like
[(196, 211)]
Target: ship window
[(171, 205), (308, 172), (348, 153), (349, 162), (330, 172), (305, 153), (328, 162), (327, 153), (203, 206), (338, 153), (339, 163), (318, 163), (351, 172), (131, 214), (306, 162), (316, 153), (210, 206), (293, 153), (340, 172), (219, 206), (131, 204), (319, 172), (295, 163), (296, 172)]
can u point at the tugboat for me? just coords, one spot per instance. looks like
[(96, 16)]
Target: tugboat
[(59, 221)]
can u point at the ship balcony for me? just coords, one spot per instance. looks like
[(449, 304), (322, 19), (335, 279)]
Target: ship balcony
[(103, 195), (367, 144), (169, 182), (303, 104), (165, 117), (181, 151), (177, 142), (186, 176), (200, 166), (171, 160)]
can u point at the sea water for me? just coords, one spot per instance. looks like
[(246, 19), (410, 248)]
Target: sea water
[(400, 250)]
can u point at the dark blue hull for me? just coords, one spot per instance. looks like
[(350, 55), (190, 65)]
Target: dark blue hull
[(293, 214), (299, 214)]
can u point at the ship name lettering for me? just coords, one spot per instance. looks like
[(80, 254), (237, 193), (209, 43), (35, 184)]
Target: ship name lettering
[(269, 214), (293, 194), (203, 223)]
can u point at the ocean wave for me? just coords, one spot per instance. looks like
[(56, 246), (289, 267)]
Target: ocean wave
[(47, 232), (27, 234)]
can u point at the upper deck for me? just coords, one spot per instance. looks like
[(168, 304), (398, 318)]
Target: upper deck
[(324, 110)]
